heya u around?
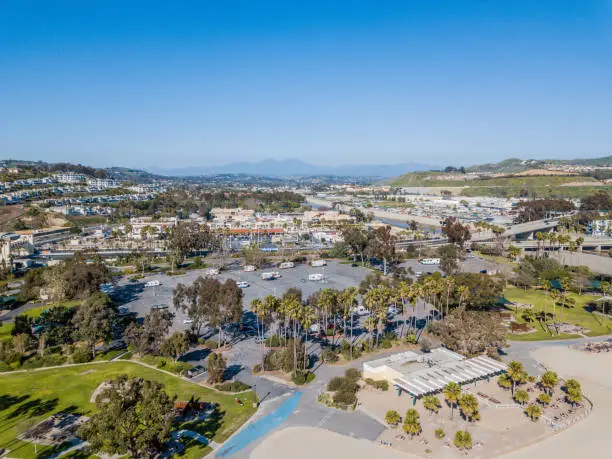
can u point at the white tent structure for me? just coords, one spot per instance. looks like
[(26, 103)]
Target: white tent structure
[(423, 374)]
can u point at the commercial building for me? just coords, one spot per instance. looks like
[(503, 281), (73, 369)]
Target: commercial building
[(427, 373)]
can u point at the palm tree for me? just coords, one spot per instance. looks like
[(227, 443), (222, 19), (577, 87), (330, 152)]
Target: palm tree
[(412, 426), (463, 440), (468, 404), (514, 251), (573, 391), (431, 403), (327, 302), (257, 307), (516, 373), (533, 412), (452, 392), (392, 418), (347, 299), (521, 397), (307, 318), (370, 325), (548, 381), (540, 237)]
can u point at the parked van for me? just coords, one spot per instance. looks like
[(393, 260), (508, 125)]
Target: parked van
[(286, 265), (153, 283), (270, 276), (318, 263), (315, 277), (430, 261)]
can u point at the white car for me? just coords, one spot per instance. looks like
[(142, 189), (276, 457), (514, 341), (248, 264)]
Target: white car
[(242, 284), (187, 321)]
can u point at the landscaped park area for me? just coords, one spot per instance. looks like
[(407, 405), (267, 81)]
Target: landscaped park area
[(29, 397), (580, 315)]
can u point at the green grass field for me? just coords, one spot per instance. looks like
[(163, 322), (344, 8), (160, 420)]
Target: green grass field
[(578, 315), (29, 397)]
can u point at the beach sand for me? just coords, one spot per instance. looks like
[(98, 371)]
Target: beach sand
[(587, 439)]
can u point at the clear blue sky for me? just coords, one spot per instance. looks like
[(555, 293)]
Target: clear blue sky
[(179, 83)]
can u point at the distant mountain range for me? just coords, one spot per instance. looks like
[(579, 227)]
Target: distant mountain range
[(295, 168)]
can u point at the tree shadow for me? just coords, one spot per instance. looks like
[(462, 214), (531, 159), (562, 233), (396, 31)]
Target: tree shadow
[(209, 426), (36, 407), (195, 354), (6, 401), (232, 371)]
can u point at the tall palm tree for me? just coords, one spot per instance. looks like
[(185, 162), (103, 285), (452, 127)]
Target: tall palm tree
[(468, 404), (307, 318), (452, 392), (412, 426), (555, 297), (348, 299), (257, 307), (516, 373), (548, 381)]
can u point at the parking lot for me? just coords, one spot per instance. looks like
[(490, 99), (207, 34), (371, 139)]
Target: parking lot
[(470, 265), (139, 299)]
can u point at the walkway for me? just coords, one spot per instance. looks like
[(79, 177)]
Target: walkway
[(259, 428)]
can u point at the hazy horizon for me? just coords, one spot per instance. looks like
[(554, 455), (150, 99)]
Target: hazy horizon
[(201, 83)]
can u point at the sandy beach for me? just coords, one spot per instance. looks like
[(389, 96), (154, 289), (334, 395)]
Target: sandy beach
[(585, 440)]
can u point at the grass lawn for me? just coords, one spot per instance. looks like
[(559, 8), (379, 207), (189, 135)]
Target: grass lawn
[(27, 398), (36, 312), (5, 331), (578, 315)]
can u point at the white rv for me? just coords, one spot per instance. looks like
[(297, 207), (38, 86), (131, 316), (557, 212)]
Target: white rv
[(248, 268), (286, 265), (152, 283), (315, 277), (270, 276), (430, 261), (318, 263), (212, 272)]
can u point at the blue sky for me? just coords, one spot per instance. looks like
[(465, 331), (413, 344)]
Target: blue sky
[(180, 83)]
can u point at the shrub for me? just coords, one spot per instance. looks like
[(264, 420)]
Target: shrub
[(386, 344), (381, 384), (329, 356), (426, 344), (336, 383), (352, 374), (411, 339), (393, 418), (544, 399), (463, 440), (344, 399), (345, 349), (439, 433), (234, 386), (257, 368), (81, 355), (49, 360), (302, 377)]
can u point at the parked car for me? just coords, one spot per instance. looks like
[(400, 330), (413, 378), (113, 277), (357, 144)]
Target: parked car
[(242, 284), (187, 321), (195, 371)]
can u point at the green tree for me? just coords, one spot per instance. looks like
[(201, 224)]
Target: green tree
[(468, 404), (452, 393), (504, 381), (544, 399), (431, 403), (412, 426), (216, 368), (133, 416), (463, 440), (516, 373), (392, 418), (93, 320), (548, 381), (573, 391), (175, 345), (533, 412), (521, 397)]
